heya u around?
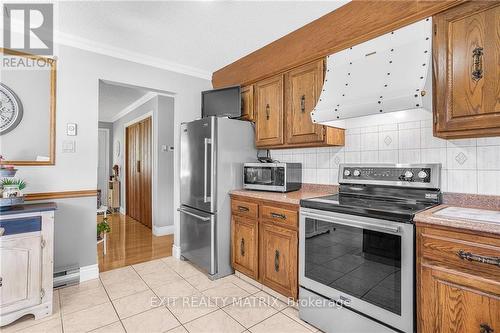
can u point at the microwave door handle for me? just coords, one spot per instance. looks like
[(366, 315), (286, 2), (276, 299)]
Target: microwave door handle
[(207, 141), (347, 222)]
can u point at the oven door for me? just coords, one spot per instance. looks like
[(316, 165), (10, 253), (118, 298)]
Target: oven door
[(366, 263)]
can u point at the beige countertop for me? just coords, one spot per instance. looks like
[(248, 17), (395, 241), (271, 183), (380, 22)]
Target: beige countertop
[(467, 218), (291, 198)]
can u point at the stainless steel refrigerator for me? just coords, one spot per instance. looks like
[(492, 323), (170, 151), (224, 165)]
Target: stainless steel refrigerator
[(213, 151)]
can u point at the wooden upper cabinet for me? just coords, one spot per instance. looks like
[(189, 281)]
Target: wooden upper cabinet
[(269, 112), (467, 70), (302, 89), (247, 103)]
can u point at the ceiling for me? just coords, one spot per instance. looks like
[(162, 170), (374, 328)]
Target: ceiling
[(203, 35), (114, 98)]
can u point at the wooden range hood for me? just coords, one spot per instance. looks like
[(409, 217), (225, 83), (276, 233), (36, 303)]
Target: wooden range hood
[(351, 24)]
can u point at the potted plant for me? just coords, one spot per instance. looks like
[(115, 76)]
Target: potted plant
[(102, 228)]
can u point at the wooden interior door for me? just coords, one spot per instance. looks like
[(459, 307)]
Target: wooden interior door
[(269, 111), (139, 171), (467, 70), (303, 86)]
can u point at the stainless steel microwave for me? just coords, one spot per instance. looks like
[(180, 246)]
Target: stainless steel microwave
[(275, 177)]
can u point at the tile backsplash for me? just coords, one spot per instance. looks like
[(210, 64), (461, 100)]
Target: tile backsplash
[(468, 165)]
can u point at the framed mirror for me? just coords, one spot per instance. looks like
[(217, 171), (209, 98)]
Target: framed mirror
[(27, 108)]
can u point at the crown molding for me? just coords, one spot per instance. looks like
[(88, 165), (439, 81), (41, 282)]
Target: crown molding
[(63, 38), (131, 107)]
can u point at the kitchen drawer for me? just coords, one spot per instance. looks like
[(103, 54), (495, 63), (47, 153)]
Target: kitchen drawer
[(280, 216), (247, 209), (468, 253)]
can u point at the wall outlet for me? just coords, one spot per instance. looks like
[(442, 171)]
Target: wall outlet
[(71, 129)]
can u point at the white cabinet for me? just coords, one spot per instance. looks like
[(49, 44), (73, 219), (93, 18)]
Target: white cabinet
[(26, 265)]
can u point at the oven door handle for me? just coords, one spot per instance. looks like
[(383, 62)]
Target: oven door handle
[(371, 226)]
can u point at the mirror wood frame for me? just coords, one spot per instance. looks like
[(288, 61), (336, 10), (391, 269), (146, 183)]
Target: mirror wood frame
[(52, 107)]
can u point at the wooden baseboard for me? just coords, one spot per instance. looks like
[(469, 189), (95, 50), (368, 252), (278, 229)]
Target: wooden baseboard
[(60, 195)]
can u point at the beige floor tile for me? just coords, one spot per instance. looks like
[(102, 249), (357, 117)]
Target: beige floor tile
[(161, 277), (249, 280), (116, 275), (89, 319), (149, 267), (279, 323), (152, 321), (84, 286), (175, 289), (116, 327), (225, 294), (216, 322), (202, 282), (136, 303), (294, 314), (271, 300), (251, 289), (276, 294), (183, 268), (77, 301), (189, 308), (49, 326), (178, 329), (250, 310), (130, 283)]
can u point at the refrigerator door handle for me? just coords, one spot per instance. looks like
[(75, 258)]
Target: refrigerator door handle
[(207, 142), (193, 215)]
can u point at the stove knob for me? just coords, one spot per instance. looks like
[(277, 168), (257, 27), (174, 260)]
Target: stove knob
[(408, 174), (356, 173), (347, 172), (422, 174)]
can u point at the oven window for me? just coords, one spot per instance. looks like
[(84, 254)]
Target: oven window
[(359, 262), (272, 176)]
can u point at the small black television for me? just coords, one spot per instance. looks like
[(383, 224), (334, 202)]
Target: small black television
[(225, 102)]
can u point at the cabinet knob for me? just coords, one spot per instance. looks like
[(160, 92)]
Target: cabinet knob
[(485, 328), (242, 247), (277, 260), (268, 111), (303, 103), (477, 63)]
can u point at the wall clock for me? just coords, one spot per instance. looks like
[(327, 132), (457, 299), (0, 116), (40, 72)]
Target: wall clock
[(11, 109)]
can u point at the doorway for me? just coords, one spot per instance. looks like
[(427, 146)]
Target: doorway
[(138, 170)]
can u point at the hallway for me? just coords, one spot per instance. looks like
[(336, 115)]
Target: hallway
[(130, 242)]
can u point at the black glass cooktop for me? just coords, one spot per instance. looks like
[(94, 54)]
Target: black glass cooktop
[(393, 209)]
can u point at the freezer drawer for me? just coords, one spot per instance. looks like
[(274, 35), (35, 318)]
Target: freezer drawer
[(198, 238)]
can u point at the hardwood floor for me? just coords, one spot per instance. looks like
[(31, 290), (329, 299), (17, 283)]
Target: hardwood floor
[(130, 242)]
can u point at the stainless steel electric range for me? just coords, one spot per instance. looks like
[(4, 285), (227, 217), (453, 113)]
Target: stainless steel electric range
[(357, 248)]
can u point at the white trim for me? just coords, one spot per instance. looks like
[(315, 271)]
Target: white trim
[(122, 211), (120, 53), (176, 251), (90, 272), (104, 192), (163, 230), (132, 106)]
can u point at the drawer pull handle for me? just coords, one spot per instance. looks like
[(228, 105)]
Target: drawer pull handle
[(278, 216), (268, 111), (474, 257), (303, 103), (277, 260), (243, 209), (477, 64), (242, 247), (485, 328), (1, 281)]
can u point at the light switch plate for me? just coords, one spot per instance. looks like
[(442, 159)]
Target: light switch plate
[(69, 146), (71, 129)]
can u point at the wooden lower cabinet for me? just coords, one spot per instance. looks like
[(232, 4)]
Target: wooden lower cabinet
[(456, 295), (278, 258), (245, 245), (264, 243)]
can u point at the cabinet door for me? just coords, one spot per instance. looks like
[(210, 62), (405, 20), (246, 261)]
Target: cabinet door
[(269, 111), (302, 89), (247, 103), (467, 70), (457, 303), (245, 245), (278, 258), (20, 271)]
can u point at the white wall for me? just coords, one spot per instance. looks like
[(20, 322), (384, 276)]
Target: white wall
[(78, 77), (469, 165)]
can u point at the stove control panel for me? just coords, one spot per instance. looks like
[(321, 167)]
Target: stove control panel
[(420, 175)]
